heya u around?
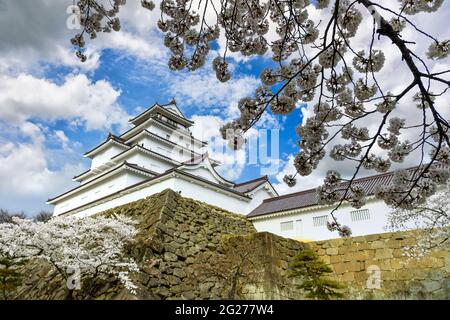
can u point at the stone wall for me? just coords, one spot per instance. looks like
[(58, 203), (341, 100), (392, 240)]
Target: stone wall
[(187, 249), (358, 261), (174, 233)]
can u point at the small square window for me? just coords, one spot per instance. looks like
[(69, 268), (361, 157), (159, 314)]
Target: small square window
[(287, 225), (320, 221), (360, 215)]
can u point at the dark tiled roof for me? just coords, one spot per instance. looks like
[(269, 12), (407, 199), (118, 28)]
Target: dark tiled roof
[(250, 185), (137, 167), (309, 197), (110, 137), (155, 106)]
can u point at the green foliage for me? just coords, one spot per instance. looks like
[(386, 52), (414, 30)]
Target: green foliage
[(10, 277), (313, 273)]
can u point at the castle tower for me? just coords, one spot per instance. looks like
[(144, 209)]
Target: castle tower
[(158, 152)]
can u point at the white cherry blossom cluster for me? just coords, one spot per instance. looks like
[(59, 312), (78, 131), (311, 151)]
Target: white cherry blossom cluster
[(372, 63), (421, 101), (432, 217), (349, 18), (95, 245), (439, 50), (397, 24), (220, 66), (407, 193), (399, 151), (290, 180), (388, 104), (329, 192), (377, 163), (95, 18), (337, 82), (415, 6), (344, 231), (363, 91)]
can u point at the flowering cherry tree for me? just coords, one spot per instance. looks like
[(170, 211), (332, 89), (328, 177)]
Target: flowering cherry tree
[(325, 63), (432, 217), (77, 249)]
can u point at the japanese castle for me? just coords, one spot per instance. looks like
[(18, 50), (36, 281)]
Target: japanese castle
[(159, 152)]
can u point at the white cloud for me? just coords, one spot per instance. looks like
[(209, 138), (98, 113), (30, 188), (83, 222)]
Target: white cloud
[(25, 178), (206, 93), (30, 169), (77, 99), (37, 35), (207, 129)]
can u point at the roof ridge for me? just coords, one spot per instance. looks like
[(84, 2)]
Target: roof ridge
[(136, 166), (265, 177), (284, 196)]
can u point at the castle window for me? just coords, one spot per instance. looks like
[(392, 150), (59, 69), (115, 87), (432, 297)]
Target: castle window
[(299, 226), (287, 226), (320, 221), (181, 153), (360, 215)]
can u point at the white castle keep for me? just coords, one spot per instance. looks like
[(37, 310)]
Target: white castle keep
[(157, 153)]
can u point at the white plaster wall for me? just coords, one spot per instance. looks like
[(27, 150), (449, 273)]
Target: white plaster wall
[(97, 191), (177, 137), (149, 162), (202, 172), (106, 155), (187, 189), (305, 230), (168, 150), (127, 198), (211, 196)]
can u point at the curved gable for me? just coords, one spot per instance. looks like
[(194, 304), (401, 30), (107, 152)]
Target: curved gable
[(202, 167)]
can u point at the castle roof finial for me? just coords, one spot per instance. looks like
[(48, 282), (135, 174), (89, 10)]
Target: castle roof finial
[(173, 101)]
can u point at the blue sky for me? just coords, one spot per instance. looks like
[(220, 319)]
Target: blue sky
[(140, 89), (53, 108)]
